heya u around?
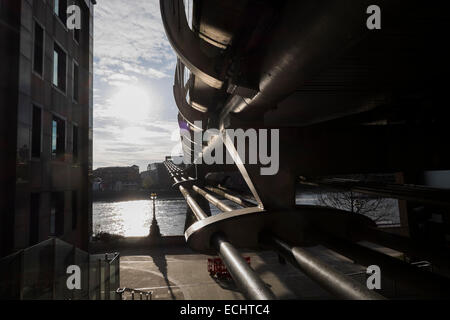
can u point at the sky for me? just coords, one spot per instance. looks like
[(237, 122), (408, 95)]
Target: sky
[(135, 115)]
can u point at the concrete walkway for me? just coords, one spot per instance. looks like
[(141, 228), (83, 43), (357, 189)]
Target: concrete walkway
[(179, 273)]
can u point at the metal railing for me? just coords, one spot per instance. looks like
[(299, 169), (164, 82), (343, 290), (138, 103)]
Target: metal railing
[(132, 293), (105, 276)]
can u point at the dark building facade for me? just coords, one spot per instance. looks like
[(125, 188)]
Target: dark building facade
[(46, 104)]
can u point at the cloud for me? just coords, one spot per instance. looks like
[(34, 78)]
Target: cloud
[(129, 36), (132, 50)]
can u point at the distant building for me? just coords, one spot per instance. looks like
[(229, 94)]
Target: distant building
[(46, 96), (118, 178)]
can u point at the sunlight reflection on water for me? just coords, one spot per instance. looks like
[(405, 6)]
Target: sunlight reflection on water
[(133, 218)]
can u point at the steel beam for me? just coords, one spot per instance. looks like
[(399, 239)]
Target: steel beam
[(427, 284), (228, 196), (333, 281), (247, 280)]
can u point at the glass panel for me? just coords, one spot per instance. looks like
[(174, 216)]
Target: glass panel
[(54, 136), (93, 279), (41, 272), (95, 276), (64, 257), (82, 260), (38, 48), (38, 268), (56, 8), (114, 277), (55, 68), (36, 133), (75, 143), (10, 276)]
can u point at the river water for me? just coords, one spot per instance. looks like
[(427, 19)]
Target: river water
[(133, 218)]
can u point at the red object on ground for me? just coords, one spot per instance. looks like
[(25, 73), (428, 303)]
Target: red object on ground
[(217, 268)]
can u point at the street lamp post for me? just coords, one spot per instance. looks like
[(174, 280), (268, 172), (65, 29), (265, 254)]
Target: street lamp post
[(154, 228), (153, 198)]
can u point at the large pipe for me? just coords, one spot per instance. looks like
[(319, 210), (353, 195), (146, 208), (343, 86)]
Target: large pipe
[(247, 280), (228, 196), (213, 200), (427, 284), (333, 281), (196, 209)]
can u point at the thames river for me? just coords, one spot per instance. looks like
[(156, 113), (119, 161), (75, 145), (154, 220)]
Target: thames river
[(133, 218)]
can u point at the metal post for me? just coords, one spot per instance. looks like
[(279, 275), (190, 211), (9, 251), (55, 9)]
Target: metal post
[(230, 197), (248, 281), (99, 282), (198, 212), (333, 281), (118, 271), (107, 278), (132, 295), (74, 262), (213, 200)]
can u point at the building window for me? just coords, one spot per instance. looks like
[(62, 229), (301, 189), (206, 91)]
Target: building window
[(36, 133), (74, 210), (60, 10), (75, 81), (57, 214), (59, 68), (76, 35), (38, 63), (75, 143), (58, 137), (34, 218)]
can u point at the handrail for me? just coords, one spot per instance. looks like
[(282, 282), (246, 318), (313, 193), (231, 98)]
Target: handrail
[(148, 294)]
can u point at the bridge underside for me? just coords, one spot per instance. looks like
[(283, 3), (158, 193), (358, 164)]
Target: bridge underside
[(347, 101)]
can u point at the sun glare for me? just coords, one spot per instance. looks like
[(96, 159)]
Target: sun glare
[(131, 103)]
